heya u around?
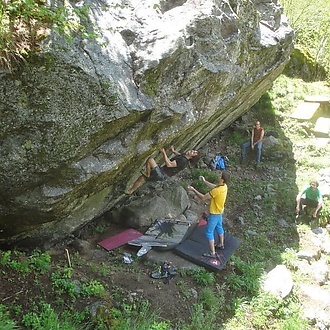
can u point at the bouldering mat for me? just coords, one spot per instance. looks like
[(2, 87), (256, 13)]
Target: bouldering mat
[(163, 234), (119, 239), (305, 110), (193, 247), (322, 127)]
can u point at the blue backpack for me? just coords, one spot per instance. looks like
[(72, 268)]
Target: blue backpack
[(218, 163)]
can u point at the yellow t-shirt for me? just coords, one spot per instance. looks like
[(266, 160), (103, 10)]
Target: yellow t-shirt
[(218, 200)]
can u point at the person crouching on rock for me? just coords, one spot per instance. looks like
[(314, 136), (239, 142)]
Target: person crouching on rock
[(313, 199)]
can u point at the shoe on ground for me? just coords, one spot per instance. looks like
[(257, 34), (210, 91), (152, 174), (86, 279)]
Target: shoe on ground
[(209, 255), (220, 247), (256, 165), (241, 161)]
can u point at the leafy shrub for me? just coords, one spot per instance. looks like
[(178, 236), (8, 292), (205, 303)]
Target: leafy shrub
[(93, 288), (289, 258), (312, 37), (5, 257), (236, 139), (40, 261), (99, 229), (23, 24), (264, 109), (246, 276), (5, 322), (45, 317), (202, 318), (208, 298), (209, 176), (203, 277), (324, 217)]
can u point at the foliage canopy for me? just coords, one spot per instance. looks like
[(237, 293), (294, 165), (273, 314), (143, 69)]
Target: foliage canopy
[(24, 23), (311, 21)]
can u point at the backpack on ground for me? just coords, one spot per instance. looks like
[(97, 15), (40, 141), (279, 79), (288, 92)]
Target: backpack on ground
[(218, 162)]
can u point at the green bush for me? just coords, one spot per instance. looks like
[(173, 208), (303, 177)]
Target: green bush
[(324, 217), (264, 110), (23, 24), (211, 176), (46, 318), (203, 277), (312, 37), (246, 276), (5, 322)]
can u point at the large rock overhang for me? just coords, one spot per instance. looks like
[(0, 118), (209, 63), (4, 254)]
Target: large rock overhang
[(79, 120)]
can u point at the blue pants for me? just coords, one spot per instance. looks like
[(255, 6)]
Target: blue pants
[(214, 221), (248, 144)]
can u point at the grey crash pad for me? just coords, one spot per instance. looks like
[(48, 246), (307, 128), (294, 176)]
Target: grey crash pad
[(163, 234), (196, 244)]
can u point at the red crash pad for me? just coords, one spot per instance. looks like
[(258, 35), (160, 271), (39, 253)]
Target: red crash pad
[(119, 239)]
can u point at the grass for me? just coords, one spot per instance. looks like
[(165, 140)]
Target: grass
[(136, 317), (5, 322), (312, 39), (38, 261), (45, 317), (203, 277), (267, 309)]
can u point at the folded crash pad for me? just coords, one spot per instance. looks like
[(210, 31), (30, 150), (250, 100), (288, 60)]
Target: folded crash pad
[(305, 110), (120, 239), (163, 234), (193, 247)]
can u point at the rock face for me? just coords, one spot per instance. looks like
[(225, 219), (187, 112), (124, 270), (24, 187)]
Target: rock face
[(161, 200), (278, 282), (80, 118)]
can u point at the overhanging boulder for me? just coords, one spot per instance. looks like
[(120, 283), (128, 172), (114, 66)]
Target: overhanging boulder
[(79, 119)]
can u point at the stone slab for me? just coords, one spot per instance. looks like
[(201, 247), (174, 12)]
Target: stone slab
[(305, 110), (317, 98), (322, 126), (321, 142)]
